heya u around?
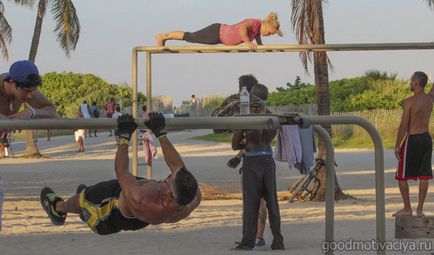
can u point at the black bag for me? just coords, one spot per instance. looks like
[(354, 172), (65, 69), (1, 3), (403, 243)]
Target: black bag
[(96, 112)]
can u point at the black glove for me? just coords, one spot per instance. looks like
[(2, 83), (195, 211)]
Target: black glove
[(126, 126), (156, 123), (233, 162)]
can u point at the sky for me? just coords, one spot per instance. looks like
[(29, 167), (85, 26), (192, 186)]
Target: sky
[(111, 29)]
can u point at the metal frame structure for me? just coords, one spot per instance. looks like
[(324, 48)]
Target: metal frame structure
[(149, 50), (251, 122), (378, 146)]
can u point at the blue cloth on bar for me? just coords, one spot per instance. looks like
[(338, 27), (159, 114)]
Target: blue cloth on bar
[(258, 153)]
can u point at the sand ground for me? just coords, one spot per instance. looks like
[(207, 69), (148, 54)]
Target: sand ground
[(211, 229)]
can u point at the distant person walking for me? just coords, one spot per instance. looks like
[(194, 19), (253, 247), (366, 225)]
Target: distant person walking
[(193, 105), (115, 115), (148, 141), (85, 112), (94, 110), (243, 32), (109, 110)]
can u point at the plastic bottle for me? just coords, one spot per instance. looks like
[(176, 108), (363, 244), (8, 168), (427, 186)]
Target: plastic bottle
[(1, 202), (244, 101)]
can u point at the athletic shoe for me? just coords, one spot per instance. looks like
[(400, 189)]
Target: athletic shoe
[(80, 188), (259, 242), (48, 202)]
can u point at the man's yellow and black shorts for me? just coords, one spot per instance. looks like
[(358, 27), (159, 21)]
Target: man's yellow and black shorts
[(100, 209)]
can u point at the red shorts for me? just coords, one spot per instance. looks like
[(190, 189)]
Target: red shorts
[(415, 158)]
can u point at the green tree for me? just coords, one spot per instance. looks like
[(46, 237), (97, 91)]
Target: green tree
[(5, 32), (67, 91), (67, 25), (6, 29), (298, 84)]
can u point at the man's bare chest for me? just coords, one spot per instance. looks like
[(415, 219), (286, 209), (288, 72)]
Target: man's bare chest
[(9, 106)]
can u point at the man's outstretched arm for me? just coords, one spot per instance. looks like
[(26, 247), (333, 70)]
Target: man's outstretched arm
[(157, 124), (171, 155), (127, 181)]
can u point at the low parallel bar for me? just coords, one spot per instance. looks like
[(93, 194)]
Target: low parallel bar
[(245, 122)]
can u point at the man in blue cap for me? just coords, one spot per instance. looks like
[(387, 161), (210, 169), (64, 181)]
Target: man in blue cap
[(20, 86)]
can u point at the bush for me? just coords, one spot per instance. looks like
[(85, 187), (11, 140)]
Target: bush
[(67, 91)]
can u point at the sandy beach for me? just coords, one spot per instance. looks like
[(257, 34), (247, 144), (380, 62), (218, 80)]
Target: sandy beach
[(211, 229)]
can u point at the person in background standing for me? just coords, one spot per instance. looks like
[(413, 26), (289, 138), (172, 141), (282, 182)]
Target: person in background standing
[(85, 112), (94, 110), (115, 115), (110, 109), (193, 105)]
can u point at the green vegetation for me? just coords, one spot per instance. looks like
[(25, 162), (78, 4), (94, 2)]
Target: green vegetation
[(374, 90), (68, 90), (219, 138), (356, 142), (213, 102)]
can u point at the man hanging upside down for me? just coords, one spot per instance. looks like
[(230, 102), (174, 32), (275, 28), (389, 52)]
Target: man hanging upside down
[(129, 202)]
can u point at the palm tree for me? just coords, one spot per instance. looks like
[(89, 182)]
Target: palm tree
[(67, 30), (5, 28), (308, 23), (5, 33), (67, 25), (430, 3)]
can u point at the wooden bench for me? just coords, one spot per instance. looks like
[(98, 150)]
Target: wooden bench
[(414, 227)]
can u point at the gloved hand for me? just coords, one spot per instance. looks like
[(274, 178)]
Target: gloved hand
[(233, 162), (156, 123), (126, 126)]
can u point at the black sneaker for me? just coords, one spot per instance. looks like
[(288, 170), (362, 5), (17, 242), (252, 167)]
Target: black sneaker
[(48, 202), (80, 188)]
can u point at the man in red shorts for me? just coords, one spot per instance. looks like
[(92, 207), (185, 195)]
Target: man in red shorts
[(413, 146)]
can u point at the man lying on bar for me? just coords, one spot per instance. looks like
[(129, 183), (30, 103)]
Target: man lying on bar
[(129, 202), (20, 86)]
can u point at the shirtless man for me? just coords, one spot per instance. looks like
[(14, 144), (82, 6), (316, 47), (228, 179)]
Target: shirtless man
[(258, 180), (413, 146), (131, 203), (20, 86)]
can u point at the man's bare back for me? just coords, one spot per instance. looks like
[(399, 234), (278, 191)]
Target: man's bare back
[(420, 108)]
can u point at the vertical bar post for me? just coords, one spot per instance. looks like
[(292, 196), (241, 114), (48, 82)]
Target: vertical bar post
[(134, 113), (330, 185), (149, 98)]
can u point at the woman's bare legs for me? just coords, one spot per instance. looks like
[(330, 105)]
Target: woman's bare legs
[(163, 37)]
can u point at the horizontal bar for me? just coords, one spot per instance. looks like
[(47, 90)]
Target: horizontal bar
[(245, 122), (287, 48)]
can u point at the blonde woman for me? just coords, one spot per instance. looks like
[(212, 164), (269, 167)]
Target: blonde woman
[(244, 32)]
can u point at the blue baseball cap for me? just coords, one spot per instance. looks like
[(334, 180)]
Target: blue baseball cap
[(24, 73)]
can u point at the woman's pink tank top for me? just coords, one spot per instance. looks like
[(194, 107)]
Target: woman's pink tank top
[(230, 34)]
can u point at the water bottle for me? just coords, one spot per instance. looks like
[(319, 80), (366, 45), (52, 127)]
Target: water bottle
[(244, 101), (1, 202)]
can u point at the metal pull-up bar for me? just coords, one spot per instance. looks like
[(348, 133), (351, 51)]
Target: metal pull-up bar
[(246, 122)]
